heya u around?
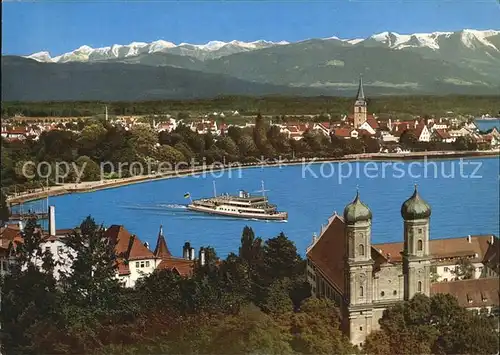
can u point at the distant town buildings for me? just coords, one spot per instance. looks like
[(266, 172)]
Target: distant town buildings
[(364, 279), (359, 124)]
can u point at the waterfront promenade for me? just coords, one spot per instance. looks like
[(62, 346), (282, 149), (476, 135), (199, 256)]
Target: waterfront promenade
[(89, 186)]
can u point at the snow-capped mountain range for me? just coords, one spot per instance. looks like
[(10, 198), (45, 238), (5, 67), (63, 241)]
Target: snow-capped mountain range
[(117, 51), (470, 39)]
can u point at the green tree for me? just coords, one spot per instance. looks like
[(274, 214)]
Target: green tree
[(433, 325), (250, 250), (91, 137), (166, 153), (144, 139), (229, 146), (89, 169), (316, 329), (247, 146), (4, 209), (464, 269), (280, 260), (249, 332), (278, 301), (408, 139), (91, 281), (24, 313)]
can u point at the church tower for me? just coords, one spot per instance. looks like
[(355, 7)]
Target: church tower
[(416, 255), (358, 269), (360, 107)]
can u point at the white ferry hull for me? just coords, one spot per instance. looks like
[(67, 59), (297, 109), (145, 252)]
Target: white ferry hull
[(280, 216)]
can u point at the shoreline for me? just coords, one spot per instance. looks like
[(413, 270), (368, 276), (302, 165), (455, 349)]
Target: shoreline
[(92, 186)]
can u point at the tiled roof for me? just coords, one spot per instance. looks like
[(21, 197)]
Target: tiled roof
[(161, 250), (492, 256), (182, 266), (443, 134), (481, 292), (372, 122), (123, 268), (9, 233), (343, 132), (127, 246), (442, 248), (138, 250), (364, 132), (328, 252)]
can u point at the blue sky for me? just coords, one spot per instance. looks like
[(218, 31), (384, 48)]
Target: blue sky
[(59, 27)]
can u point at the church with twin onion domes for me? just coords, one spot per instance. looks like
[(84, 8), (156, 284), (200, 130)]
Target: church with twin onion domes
[(364, 279)]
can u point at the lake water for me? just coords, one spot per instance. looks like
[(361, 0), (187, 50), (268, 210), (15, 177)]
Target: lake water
[(485, 125), (462, 205)]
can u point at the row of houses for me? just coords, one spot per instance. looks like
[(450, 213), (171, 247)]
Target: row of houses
[(135, 259)]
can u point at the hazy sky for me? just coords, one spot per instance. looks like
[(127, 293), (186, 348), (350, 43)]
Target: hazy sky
[(61, 26)]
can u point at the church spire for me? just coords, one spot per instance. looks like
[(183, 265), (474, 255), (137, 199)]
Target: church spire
[(161, 250), (361, 93)]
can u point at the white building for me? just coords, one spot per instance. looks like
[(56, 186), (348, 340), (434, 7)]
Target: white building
[(134, 258)]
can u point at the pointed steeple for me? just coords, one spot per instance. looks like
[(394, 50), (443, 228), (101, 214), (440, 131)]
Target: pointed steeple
[(361, 93), (161, 250)]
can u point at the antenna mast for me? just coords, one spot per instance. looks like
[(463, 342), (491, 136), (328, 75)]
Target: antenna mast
[(263, 190), (106, 113), (215, 190)]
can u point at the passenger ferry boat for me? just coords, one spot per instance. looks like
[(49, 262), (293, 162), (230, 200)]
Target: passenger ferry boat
[(244, 206)]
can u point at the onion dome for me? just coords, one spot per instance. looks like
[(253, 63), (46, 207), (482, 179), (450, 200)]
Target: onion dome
[(415, 207), (357, 211)]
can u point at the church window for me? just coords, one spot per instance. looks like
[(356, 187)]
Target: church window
[(361, 249), (361, 291), (420, 230), (382, 293), (419, 286), (360, 328), (419, 245), (395, 292)]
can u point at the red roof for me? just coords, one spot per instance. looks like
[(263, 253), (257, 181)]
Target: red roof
[(441, 133), (372, 122), (482, 292), (161, 250), (182, 266), (441, 248), (343, 132), (328, 253), (325, 125), (127, 246), (364, 132)]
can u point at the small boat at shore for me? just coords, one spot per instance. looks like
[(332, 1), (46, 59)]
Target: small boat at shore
[(244, 205)]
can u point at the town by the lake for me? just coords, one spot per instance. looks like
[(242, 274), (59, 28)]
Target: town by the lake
[(330, 195)]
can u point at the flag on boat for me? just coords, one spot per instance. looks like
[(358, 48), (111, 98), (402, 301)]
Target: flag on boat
[(187, 195)]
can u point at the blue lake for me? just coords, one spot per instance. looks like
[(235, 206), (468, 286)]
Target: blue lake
[(461, 205), (485, 125)]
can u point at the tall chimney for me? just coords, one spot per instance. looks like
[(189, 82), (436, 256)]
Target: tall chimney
[(191, 255), (202, 256), (469, 239), (52, 220), (185, 250), (492, 239)]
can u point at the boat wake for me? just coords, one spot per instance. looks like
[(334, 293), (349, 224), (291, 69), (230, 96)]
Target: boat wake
[(159, 207), (174, 206)]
